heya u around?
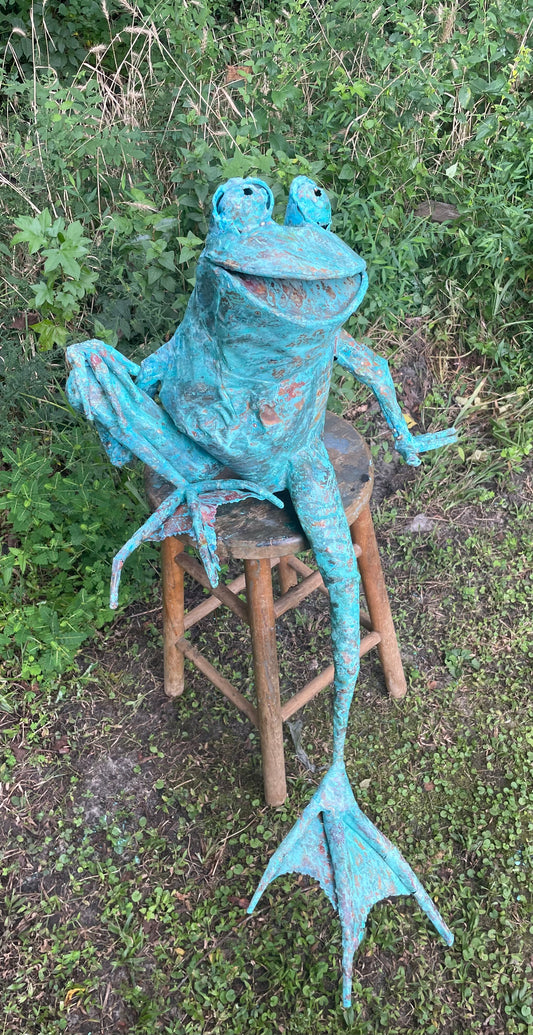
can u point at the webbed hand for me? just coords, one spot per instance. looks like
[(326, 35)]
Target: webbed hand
[(190, 510), (129, 423), (410, 446), (93, 361), (202, 500)]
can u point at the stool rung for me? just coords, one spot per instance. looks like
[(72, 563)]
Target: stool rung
[(323, 680), (293, 596), (223, 593), (304, 569), (211, 603), (218, 680)]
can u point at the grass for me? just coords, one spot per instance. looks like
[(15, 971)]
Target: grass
[(134, 828)]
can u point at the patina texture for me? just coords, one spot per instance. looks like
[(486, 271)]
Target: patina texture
[(242, 387)]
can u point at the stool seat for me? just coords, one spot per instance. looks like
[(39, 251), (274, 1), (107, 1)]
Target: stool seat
[(264, 537), (255, 529)]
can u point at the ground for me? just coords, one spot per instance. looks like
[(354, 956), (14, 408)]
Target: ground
[(134, 828)]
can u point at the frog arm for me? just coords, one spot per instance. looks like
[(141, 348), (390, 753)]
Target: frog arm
[(154, 367), (373, 370)]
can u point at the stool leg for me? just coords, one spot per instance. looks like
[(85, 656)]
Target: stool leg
[(263, 629), (173, 610), (287, 575), (377, 599)]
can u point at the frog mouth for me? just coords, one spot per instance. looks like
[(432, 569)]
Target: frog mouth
[(304, 300)]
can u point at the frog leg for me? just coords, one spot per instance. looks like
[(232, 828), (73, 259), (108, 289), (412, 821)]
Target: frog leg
[(373, 370), (333, 841), (131, 424), (190, 510)]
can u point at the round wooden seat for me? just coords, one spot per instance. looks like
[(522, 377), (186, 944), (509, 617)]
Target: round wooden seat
[(264, 537), (255, 529)]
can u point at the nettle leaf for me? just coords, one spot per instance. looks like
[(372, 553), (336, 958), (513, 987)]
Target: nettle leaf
[(153, 274), (346, 172), (487, 128), (69, 264), (288, 92), (43, 294), (166, 259)]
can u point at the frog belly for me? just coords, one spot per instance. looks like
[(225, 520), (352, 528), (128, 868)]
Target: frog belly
[(256, 434)]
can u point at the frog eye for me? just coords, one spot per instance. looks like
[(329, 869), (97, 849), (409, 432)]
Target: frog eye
[(308, 204), (242, 205)]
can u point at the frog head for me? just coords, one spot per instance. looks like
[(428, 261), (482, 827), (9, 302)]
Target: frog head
[(300, 272)]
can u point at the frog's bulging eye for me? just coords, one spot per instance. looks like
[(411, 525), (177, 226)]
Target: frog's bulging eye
[(318, 193), (240, 205)]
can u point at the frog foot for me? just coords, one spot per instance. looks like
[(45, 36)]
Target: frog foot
[(190, 510), (355, 864)]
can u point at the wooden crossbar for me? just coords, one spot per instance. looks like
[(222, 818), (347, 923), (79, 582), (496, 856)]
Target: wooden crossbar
[(228, 595), (293, 596), (303, 569), (323, 680), (223, 593), (211, 603), (200, 661)]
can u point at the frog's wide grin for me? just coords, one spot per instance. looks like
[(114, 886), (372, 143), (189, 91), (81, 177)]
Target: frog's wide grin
[(322, 300)]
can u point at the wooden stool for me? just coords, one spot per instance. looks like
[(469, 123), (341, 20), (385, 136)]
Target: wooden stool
[(264, 538)]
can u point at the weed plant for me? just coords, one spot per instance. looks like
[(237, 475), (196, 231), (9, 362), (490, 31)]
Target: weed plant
[(66, 512), (387, 110)]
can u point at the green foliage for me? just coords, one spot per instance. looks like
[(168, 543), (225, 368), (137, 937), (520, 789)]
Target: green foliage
[(67, 278), (65, 514), (387, 111), (55, 34), (120, 120)]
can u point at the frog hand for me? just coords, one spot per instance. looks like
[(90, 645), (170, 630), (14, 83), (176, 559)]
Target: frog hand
[(202, 500), (190, 510), (90, 364), (410, 446)]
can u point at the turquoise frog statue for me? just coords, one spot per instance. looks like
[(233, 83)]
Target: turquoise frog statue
[(242, 388)]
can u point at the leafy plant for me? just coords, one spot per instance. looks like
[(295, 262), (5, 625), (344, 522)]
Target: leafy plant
[(67, 278), (65, 515)]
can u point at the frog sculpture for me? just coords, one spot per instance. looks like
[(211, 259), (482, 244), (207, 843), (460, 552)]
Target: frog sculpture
[(242, 387)]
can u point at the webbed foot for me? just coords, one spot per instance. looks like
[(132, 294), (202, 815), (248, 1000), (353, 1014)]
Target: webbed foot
[(190, 510), (354, 863)]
